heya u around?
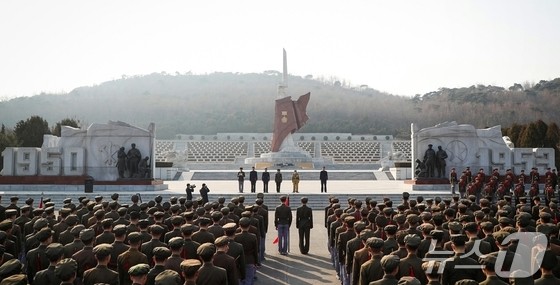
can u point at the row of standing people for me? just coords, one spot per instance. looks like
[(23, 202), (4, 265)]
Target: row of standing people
[(278, 178)]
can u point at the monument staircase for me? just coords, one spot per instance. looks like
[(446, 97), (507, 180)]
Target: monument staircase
[(316, 201)]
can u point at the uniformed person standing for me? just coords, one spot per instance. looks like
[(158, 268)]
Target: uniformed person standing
[(304, 224), (282, 222), (160, 256), (190, 268), (250, 248), (85, 257), (470, 269), (65, 270), (138, 274), (209, 274), (174, 261), (36, 258), (223, 260), (235, 250), (132, 256), (295, 181), (371, 270), (101, 273), (55, 253), (390, 265)]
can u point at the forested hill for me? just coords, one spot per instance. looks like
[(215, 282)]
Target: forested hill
[(228, 102)]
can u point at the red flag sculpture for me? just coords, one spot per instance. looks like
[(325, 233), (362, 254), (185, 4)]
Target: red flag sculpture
[(289, 116)]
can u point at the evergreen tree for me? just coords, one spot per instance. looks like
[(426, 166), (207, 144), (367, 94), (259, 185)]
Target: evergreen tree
[(30, 132)]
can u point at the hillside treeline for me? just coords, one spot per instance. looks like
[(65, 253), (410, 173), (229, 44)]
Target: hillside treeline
[(229, 102)]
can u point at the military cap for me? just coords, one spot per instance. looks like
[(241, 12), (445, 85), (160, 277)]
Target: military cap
[(381, 221), (162, 252), (470, 227), (143, 206), (466, 282), (54, 251), (350, 220), (458, 239), (139, 269), (244, 222), (134, 215), (67, 200), (182, 200), (49, 209), (426, 227), (203, 221), (246, 214), (487, 259), (190, 266), (159, 215), (176, 242), (10, 212), (206, 249), (409, 280), (412, 240), (217, 215), (545, 215), (152, 211), (134, 237), (437, 234), (144, 223), (188, 215), (487, 226), (405, 195), (399, 218), (12, 266), (6, 225), (66, 268), (119, 230), (72, 220), (366, 234), (17, 279), (304, 200), (168, 277), (387, 211), (99, 213), (431, 267), (115, 196), (390, 229), (221, 241), (390, 262), (77, 229), (102, 250), (14, 198), (544, 229), (40, 223), (87, 234), (107, 222), (156, 229), (455, 226), (359, 226), (44, 234), (175, 207), (187, 228), (229, 226), (504, 220), (96, 207), (412, 218), (375, 243), (122, 211)]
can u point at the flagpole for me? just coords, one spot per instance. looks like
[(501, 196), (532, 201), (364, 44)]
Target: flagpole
[(288, 241)]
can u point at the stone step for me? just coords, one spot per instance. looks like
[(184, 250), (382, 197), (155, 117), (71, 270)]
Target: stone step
[(315, 201)]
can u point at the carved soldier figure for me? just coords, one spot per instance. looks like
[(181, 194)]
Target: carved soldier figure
[(430, 160), (440, 162), (134, 156), (121, 162)]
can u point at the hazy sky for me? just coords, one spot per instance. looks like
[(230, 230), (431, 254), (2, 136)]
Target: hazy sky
[(400, 47)]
